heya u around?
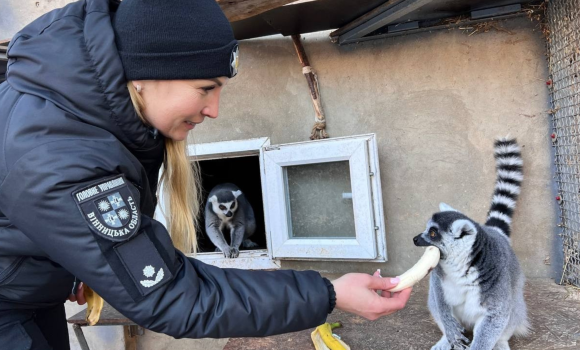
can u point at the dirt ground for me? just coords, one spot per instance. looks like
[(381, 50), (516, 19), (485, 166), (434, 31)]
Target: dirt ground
[(554, 313)]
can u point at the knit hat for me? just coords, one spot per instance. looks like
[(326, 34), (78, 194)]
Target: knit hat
[(174, 39)]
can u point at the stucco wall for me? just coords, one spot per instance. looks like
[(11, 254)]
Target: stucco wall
[(18, 13), (436, 101)]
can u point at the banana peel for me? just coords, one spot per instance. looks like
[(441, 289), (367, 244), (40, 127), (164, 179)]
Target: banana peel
[(94, 305), (324, 340)]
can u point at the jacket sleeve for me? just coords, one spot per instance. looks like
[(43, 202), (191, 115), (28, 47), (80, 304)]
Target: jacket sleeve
[(143, 276)]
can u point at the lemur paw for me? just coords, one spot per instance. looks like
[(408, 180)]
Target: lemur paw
[(231, 252), (460, 347), (442, 344), (458, 340), (438, 346)]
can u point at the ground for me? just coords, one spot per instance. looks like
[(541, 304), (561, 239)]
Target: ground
[(554, 313)]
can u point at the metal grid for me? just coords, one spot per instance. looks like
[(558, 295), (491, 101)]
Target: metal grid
[(563, 35)]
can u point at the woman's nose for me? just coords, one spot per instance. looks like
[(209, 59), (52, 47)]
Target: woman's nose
[(212, 108)]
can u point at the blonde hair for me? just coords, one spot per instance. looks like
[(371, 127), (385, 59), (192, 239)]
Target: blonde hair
[(181, 186)]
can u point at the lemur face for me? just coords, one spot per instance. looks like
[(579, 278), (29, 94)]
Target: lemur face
[(226, 205), (448, 230), (227, 209)]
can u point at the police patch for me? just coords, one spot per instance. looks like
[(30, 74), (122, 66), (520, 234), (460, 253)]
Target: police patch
[(144, 264), (110, 208)]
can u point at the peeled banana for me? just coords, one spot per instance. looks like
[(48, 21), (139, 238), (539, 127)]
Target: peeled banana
[(428, 261), (94, 305), (324, 340)]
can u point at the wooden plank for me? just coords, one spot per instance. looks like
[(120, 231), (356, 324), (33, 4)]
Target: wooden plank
[(236, 10), (3, 48), (109, 317)]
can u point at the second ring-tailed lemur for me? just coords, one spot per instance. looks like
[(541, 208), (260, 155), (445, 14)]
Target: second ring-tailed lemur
[(228, 208), (478, 283)]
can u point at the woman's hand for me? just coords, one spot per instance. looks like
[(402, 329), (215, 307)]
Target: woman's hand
[(79, 297), (356, 293)]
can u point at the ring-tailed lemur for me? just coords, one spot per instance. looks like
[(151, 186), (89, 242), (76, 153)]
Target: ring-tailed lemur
[(227, 207), (478, 283)]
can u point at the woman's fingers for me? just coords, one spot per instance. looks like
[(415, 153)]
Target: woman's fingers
[(395, 302), (378, 283), (80, 297)]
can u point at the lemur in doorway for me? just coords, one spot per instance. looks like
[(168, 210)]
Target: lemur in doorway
[(478, 283), (228, 208)]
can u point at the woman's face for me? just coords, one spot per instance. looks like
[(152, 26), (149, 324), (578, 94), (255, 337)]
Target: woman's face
[(174, 107)]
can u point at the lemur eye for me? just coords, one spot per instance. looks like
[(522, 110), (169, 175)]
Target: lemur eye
[(432, 233), (222, 207)]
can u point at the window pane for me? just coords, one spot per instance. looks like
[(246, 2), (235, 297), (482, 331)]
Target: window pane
[(320, 200)]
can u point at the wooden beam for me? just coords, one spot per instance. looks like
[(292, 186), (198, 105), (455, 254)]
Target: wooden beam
[(236, 10)]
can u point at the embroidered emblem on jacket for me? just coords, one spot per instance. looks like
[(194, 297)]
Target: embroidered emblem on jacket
[(110, 208), (149, 271)]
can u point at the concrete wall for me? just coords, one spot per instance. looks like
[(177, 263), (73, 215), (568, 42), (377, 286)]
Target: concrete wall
[(436, 101), (18, 13)]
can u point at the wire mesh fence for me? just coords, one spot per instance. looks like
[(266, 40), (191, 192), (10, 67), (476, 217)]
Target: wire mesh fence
[(563, 35)]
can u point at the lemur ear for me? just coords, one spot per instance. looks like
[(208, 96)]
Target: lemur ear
[(446, 207), (237, 193), (463, 227)]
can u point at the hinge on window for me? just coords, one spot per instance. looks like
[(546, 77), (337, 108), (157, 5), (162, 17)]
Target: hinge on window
[(272, 148)]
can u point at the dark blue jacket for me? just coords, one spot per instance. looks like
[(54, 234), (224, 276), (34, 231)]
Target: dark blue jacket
[(78, 174)]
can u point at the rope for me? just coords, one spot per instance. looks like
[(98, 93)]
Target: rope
[(319, 131)]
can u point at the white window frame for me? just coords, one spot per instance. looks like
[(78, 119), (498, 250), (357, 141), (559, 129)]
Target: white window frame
[(258, 259), (361, 153)]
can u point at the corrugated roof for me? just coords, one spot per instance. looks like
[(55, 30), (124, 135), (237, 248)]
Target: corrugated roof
[(319, 15)]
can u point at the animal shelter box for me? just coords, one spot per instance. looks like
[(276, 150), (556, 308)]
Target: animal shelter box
[(316, 200)]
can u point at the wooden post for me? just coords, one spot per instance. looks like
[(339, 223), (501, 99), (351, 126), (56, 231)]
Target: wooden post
[(130, 339), (81, 337), (319, 128)]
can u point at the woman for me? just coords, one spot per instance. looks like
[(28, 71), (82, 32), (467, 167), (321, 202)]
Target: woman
[(98, 96)]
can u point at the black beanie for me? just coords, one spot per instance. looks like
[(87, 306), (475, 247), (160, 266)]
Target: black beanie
[(174, 39)]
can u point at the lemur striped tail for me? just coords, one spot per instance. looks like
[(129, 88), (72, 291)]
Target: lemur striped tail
[(508, 165)]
